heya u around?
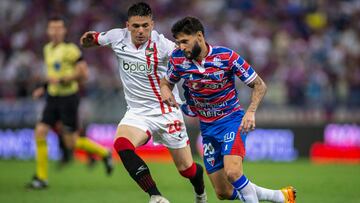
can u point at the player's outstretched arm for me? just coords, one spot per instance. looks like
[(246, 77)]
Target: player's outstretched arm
[(166, 93), (88, 39), (259, 90)]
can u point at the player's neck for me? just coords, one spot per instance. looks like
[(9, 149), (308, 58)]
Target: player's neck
[(204, 51), (137, 45), (55, 43)]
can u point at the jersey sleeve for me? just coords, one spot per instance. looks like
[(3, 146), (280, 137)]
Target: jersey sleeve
[(109, 37), (168, 46), (172, 75), (241, 68), (73, 53)]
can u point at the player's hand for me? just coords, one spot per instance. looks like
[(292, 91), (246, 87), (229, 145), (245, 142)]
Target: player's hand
[(38, 92), (88, 39), (168, 97), (248, 122), (53, 80)]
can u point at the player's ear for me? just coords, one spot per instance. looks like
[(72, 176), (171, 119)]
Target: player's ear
[(199, 35), (127, 24)]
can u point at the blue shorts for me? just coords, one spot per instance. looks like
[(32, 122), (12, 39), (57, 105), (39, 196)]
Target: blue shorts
[(221, 138)]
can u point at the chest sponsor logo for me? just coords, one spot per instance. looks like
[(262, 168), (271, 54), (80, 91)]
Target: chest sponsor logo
[(136, 67), (213, 86)]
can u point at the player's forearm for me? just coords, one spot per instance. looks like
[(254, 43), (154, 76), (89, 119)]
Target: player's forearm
[(258, 93), (82, 71), (164, 83), (166, 93)]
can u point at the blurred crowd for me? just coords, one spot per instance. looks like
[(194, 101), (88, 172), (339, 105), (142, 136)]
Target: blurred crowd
[(307, 51)]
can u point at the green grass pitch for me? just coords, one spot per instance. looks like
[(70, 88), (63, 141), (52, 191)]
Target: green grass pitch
[(76, 183)]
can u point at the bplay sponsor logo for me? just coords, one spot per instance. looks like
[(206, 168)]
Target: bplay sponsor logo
[(136, 67)]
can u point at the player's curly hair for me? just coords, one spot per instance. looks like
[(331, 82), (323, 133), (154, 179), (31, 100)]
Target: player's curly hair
[(188, 25), (139, 9)]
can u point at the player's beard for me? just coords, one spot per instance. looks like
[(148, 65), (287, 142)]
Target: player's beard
[(195, 52)]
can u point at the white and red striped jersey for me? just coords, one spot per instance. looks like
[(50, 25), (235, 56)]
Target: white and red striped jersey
[(141, 69)]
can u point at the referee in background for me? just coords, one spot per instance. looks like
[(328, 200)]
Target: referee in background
[(65, 68)]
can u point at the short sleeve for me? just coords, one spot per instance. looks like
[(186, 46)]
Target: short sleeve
[(109, 37), (72, 53), (172, 75), (168, 45), (241, 68)]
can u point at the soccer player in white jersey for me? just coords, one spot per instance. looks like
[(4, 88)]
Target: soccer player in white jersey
[(209, 81), (142, 56)]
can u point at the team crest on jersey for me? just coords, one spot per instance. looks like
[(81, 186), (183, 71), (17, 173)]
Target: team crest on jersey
[(211, 161), (149, 51), (57, 65), (219, 75)]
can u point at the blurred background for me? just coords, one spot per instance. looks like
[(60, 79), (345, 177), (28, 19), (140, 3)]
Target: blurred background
[(307, 51)]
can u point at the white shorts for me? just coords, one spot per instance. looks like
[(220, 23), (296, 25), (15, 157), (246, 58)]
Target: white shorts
[(166, 129)]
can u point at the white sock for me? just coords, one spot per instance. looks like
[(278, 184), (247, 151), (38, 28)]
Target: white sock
[(247, 191), (268, 195)]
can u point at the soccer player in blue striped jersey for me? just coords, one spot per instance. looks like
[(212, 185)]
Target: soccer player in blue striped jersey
[(209, 82)]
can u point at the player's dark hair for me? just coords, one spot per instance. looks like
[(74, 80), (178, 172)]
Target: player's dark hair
[(139, 9), (188, 25), (57, 18)]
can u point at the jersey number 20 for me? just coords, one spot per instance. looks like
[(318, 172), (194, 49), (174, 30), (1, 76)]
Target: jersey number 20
[(174, 127)]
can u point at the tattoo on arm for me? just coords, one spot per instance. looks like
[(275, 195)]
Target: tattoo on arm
[(259, 90)]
